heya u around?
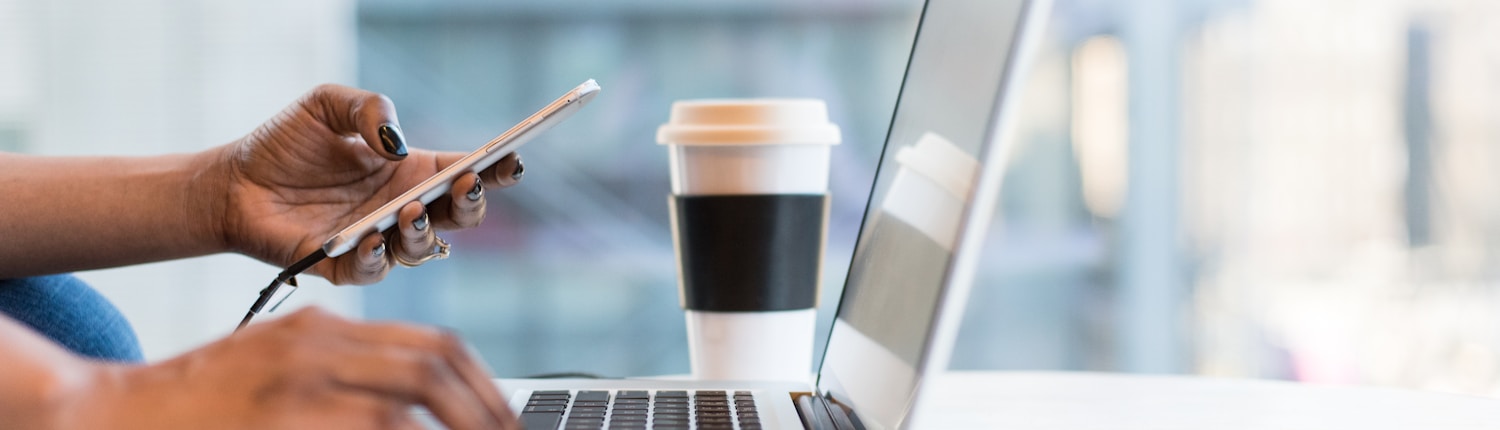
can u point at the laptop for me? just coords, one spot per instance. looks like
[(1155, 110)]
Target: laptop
[(914, 261)]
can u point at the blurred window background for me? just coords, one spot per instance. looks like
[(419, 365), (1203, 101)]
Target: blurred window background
[(1254, 188)]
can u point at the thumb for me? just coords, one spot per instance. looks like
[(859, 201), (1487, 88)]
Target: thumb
[(370, 115)]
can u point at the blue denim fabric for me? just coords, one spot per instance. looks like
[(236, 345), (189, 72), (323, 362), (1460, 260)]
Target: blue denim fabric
[(68, 311)]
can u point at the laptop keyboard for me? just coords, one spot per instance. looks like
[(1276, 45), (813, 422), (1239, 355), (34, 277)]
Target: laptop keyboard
[(640, 409)]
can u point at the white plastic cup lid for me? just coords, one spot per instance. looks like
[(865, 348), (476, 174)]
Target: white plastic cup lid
[(748, 122)]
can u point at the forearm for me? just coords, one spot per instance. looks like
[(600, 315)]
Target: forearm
[(60, 214)]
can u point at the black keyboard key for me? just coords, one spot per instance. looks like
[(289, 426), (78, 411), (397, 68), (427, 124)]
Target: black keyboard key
[(631, 412), (577, 409), (702, 403), (540, 420), (547, 397), (671, 404), (671, 394), (640, 406), (600, 404), (709, 393), (550, 392), (547, 402), (741, 393), (586, 414), (545, 408), (593, 396), (622, 401), (668, 411), (632, 394)]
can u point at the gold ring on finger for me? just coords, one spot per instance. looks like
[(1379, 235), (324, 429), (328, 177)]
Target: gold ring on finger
[(439, 252)]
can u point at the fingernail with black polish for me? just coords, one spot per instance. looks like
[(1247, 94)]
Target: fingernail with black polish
[(379, 250), (392, 139), (476, 192), (420, 223), (520, 171)]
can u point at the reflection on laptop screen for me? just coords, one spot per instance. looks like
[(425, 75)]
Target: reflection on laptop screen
[(939, 133)]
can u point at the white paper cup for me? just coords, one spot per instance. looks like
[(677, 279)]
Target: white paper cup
[(747, 175)]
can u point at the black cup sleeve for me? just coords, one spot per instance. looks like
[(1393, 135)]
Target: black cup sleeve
[(739, 253)]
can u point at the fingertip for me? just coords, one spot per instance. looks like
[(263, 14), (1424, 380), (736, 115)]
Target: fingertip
[(507, 172), (465, 206), (370, 262), (392, 141), (375, 116), (519, 171), (411, 219), (374, 255), (468, 191), (367, 114)]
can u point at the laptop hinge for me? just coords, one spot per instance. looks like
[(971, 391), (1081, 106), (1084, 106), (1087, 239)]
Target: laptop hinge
[(820, 414)]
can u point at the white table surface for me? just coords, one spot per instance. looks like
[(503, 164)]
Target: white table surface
[(1061, 400)]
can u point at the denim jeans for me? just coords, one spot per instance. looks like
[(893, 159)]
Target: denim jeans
[(68, 311)]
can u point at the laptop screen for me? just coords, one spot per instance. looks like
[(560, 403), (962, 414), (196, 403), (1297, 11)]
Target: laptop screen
[(923, 191)]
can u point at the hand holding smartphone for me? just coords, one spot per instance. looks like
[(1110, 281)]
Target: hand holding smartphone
[(482, 158), (429, 190)]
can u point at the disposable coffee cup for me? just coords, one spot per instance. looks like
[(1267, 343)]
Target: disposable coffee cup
[(749, 209)]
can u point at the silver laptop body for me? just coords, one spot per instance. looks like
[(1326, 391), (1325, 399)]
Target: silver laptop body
[(913, 265)]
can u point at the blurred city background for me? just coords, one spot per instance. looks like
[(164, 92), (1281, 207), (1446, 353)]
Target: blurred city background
[(1273, 189)]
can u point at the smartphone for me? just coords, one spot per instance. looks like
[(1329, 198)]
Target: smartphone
[(482, 158)]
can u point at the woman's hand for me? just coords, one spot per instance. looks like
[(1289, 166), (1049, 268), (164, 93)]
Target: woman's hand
[(326, 161), (309, 370)]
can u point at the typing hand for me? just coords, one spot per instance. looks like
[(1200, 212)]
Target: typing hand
[(308, 370)]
